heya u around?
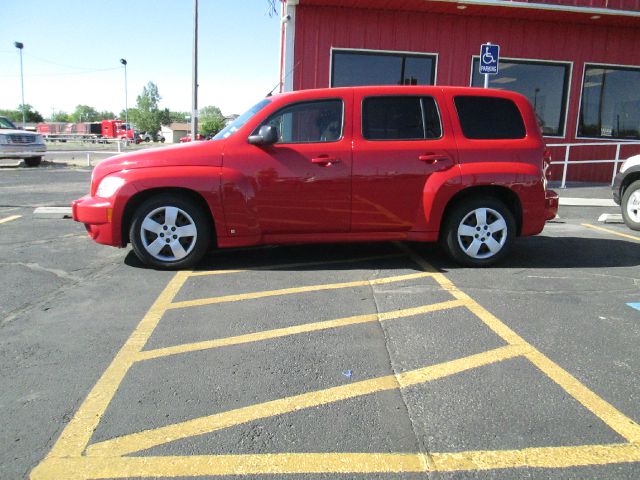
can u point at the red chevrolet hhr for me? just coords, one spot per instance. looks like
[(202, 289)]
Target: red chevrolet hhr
[(462, 166)]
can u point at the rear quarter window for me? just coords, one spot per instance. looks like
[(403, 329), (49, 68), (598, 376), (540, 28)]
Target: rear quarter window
[(489, 118)]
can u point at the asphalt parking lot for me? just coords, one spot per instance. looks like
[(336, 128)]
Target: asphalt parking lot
[(306, 362)]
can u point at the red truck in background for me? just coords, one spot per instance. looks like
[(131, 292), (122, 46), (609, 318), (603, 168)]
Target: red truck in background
[(87, 131)]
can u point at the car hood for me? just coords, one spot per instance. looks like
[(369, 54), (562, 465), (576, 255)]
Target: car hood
[(205, 153), (10, 131)]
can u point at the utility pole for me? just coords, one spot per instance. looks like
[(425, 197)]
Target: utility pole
[(20, 46), (194, 74), (126, 99)]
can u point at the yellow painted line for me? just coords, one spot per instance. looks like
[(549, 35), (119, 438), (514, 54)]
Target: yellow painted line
[(78, 431), (544, 457), (612, 232), (136, 442), (295, 265), (295, 330), (9, 219), (615, 419), (290, 291), (336, 463)]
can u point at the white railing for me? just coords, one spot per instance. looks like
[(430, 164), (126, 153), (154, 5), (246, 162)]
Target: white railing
[(567, 154)]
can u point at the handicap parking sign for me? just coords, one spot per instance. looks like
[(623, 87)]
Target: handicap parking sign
[(489, 55)]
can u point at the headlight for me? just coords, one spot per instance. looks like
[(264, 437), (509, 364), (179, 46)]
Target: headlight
[(108, 186), (39, 139)]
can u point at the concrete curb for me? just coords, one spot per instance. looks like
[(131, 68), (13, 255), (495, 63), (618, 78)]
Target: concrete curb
[(52, 212), (587, 202)]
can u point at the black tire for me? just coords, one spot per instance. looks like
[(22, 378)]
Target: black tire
[(630, 205), (472, 243), (150, 247), (33, 161)]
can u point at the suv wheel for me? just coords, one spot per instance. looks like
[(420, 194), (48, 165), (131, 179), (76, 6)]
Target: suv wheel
[(170, 232), (32, 161), (478, 231), (631, 206)]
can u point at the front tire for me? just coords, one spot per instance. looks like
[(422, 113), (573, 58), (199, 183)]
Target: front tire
[(170, 232), (631, 206), (478, 232), (33, 161)]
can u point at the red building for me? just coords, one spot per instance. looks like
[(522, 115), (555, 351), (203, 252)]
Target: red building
[(578, 61)]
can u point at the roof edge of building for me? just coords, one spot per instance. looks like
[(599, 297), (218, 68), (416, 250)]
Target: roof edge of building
[(545, 6)]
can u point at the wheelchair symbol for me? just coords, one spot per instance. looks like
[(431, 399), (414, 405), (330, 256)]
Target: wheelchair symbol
[(487, 56)]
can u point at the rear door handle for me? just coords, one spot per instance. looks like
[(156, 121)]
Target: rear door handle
[(433, 158), (325, 160)]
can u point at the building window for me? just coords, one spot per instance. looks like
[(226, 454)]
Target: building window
[(545, 84), (351, 68), (400, 118), (489, 118), (308, 122), (610, 105)]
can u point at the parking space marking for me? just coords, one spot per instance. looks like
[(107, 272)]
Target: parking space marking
[(295, 330), (613, 232), (73, 456), (9, 219), (136, 442), (289, 291), (297, 265)]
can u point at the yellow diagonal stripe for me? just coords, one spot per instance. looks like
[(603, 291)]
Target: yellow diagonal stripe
[(293, 290), (150, 438), (9, 219), (612, 232), (296, 330)]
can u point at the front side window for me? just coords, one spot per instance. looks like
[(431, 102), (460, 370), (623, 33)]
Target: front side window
[(234, 126), (309, 122), (544, 84), (400, 118), (610, 106), (356, 68), (489, 118)]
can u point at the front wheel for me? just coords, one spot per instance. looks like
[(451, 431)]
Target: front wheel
[(32, 161), (170, 232), (478, 231), (631, 206)]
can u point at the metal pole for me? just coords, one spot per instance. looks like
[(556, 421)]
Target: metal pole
[(126, 99), (194, 74), (20, 46), (486, 80)]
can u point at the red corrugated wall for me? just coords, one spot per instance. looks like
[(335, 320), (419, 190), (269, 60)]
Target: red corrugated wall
[(456, 38)]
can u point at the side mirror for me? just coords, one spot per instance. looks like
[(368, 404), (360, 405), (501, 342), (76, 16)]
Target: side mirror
[(267, 135)]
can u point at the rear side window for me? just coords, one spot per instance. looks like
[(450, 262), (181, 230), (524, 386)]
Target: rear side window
[(400, 118), (489, 118)]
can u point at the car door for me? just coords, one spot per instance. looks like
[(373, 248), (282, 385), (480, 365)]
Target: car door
[(400, 142), (301, 183)]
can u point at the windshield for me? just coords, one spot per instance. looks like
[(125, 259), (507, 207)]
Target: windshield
[(241, 120), (6, 123)]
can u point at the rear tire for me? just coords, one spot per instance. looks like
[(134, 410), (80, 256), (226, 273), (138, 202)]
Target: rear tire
[(33, 161), (631, 205), (170, 232), (478, 232)]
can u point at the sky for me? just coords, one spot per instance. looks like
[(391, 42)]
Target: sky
[(72, 51)]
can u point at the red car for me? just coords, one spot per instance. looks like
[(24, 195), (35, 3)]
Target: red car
[(464, 166), (188, 138)]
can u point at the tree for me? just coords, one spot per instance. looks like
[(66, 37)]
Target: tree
[(31, 115), (168, 117), (85, 113), (107, 115), (148, 116), (211, 120), (60, 116)]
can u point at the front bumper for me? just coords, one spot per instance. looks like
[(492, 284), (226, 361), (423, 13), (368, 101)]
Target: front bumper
[(22, 151), (96, 214), (550, 204)]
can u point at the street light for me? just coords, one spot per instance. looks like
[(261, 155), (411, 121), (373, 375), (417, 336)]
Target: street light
[(194, 75), (20, 46), (126, 101)]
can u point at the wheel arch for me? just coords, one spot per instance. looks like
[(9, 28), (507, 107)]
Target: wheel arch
[(631, 177), (504, 194), (136, 200)]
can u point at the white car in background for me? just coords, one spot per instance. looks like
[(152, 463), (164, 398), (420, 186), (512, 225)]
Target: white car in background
[(15, 143)]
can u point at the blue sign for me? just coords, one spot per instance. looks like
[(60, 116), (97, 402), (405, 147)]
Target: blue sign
[(489, 56)]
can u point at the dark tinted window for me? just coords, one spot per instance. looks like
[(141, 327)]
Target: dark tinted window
[(400, 118), (489, 118), (351, 68), (544, 84), (308, 122), (610, 106)]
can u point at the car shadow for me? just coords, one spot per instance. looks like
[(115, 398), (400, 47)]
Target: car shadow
[(538, 252)]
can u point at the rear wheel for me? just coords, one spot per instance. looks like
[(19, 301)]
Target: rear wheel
[(170, 232), (631, 206), (32, 161), (478, 231)]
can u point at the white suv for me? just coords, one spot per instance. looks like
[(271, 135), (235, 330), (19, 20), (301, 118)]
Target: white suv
[(15, 143)]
